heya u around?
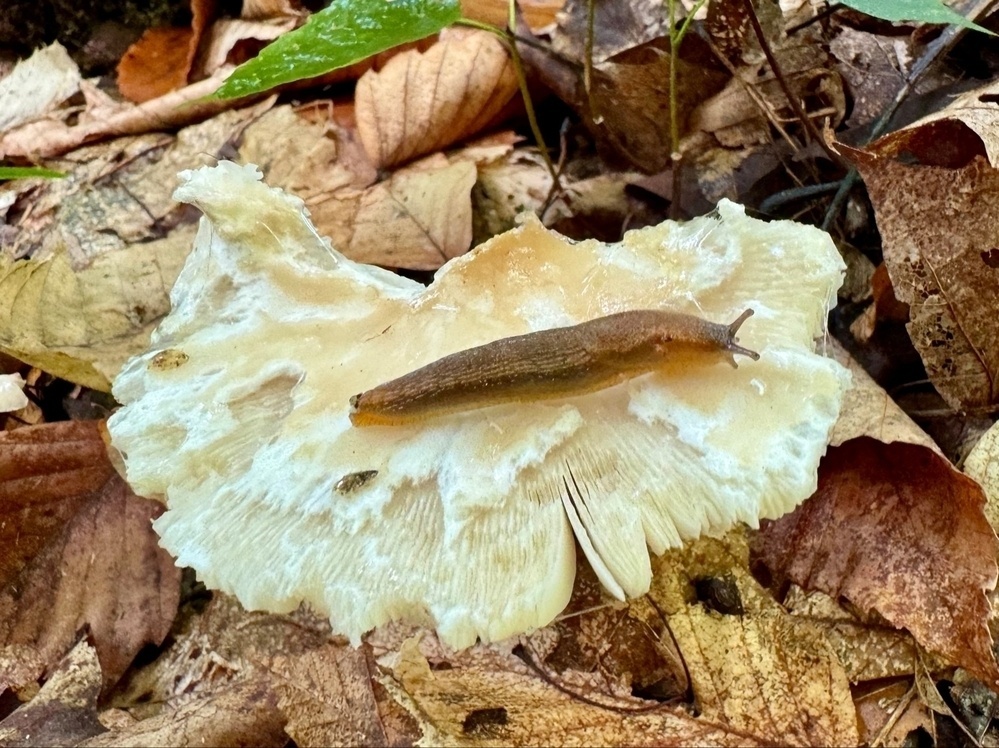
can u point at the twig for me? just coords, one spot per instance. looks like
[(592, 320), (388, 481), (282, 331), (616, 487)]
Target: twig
[(779, 75)]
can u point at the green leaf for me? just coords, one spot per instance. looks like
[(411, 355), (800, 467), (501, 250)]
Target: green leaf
[(24, 172), (344, 33), (924, 11)]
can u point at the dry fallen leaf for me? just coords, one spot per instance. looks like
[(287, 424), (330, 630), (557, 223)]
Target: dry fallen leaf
[(36, 85), (418, 218), (331, 697), (753, 667), (77, 549), (421, 102), (933, 186), (870, 411), (64, 712), (242, 714), (894, 528), (105, 246), (490, 697)]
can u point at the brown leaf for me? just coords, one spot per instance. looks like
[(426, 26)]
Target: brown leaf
[(419, 218), (156, 64), (244, 713), (161, 61), (330, 698), (894, 528), (77, 549), (936, 220), (65, 710), (422, 102), (216, 647)]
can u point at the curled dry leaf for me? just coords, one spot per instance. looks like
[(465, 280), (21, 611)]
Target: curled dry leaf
[(64, 712), (894, 528), (77, 549), (421, 102), (933, 186), (643, 465)]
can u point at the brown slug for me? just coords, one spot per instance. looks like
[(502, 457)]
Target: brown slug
[(559, 362)]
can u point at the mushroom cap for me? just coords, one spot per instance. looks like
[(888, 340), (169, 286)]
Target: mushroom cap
[(237, 416)]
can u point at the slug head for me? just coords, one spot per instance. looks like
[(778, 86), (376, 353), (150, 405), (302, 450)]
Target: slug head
[(731, 343)]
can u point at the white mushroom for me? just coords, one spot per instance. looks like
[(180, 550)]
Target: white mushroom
[(238, 415)]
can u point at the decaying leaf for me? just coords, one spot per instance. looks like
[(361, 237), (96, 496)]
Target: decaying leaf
[(77, 549), (693, 448), (933, 185), (753, 667), (491, 697), (421, 102), (105, 245), (894, 528), (244, 713), (65, 710), (331, 697)]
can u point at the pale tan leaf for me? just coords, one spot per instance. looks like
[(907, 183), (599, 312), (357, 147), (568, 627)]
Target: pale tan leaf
[(494, 699), (870, 411), (752, 666), (419, 218), (36, 85), (422, 102)]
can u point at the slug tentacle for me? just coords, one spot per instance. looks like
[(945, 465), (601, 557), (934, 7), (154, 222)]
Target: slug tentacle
[(560, 362)]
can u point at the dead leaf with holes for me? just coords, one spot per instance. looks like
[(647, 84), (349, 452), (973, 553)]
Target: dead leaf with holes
[(490, 696), (895, 529), (934, 185), (77, 550), (421, 102), (753, 667)]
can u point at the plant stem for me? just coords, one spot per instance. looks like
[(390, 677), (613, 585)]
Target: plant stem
[(508, 39)]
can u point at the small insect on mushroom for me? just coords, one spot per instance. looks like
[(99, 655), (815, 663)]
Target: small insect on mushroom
[(559, 362)]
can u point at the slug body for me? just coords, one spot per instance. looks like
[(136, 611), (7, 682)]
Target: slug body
[(559, 362)]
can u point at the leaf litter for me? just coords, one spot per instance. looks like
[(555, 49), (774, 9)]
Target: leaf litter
[(874, 621)]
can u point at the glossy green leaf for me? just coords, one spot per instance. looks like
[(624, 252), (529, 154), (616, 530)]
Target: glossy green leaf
[(344, 33), (924, 11), (25, 172)]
